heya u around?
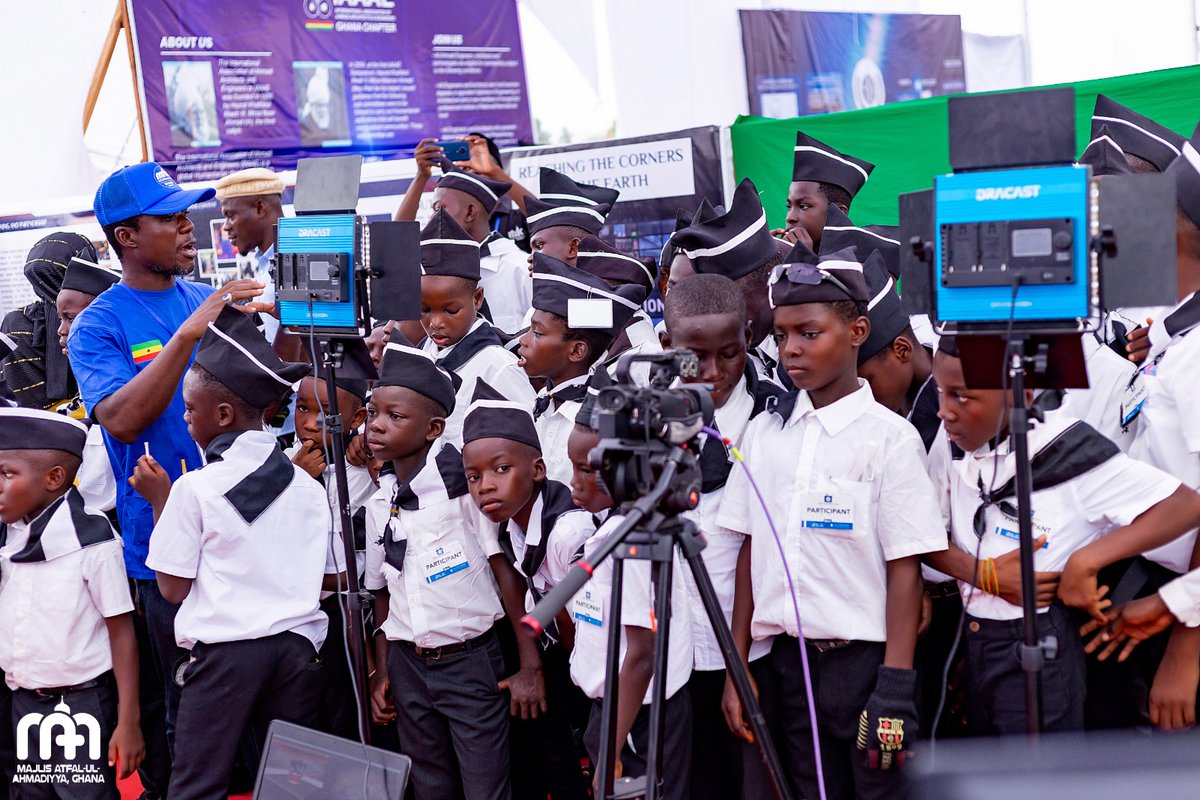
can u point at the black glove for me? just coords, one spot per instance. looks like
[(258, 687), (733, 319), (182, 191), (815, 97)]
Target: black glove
[(889, 722)]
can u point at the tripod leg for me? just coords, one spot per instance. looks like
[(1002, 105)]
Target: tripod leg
[(658, 694), (737, 672), (610, 749)]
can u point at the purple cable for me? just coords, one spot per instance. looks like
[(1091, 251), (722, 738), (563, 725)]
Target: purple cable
[(812, 706)]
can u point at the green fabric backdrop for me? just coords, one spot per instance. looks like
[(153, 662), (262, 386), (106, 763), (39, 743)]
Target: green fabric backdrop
[(907, 141)]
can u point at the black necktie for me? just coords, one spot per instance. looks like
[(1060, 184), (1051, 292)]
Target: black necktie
[(540, 405), (714, 464)]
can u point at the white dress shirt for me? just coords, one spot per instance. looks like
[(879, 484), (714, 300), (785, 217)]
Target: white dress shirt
[(432, 604), (1168, 433), (643, 339), (507, 285), (250, 579), (497, 366), (52, 629), (1071, 515), (570, 531), (360, 486), (589, 611), (847, 489), (95, 479), (1099, 405), (1182, 598), (722, 545), (554, 429)]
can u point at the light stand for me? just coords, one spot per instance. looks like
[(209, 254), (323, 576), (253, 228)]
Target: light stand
[(1032, 358), (355, 600), (1033, 650), (655, 541)]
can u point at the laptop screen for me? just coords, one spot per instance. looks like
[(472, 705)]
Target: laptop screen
[(299, 763)]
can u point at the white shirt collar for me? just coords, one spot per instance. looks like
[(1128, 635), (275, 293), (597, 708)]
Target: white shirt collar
[(565, 406), (442, 352), (733, 417), (641, 331), (533, 536), (838, 415), (1159, 338)]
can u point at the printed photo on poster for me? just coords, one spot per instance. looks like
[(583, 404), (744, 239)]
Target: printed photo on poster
[(321, 103), (809, 62), (191, 103), (226, 252), (206, 264)]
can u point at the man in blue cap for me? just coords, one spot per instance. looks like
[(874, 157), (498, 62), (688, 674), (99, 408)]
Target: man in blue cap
[(129, 350)]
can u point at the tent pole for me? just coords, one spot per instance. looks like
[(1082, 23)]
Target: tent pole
[(131, 48), (119, 22), (106, 54)]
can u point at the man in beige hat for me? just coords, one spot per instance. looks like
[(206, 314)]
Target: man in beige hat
[(252, 202)]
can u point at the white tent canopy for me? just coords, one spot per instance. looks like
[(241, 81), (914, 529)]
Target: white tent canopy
[(587, 64)]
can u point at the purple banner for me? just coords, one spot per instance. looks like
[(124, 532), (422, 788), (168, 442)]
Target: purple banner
[(227, 86), (804, 62)]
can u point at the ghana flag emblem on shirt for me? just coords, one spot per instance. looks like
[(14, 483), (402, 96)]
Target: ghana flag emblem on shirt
[(146, 351)]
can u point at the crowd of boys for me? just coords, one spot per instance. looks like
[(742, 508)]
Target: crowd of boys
[(170, 564)]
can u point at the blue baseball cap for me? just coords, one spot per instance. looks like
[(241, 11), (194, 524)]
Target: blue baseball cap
[(143, 189)]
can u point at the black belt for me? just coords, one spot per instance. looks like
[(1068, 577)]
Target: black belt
[(824, 645), (437, 653), (58, 691)]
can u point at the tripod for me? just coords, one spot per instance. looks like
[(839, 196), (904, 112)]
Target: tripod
[(333, 355), (651, 535)]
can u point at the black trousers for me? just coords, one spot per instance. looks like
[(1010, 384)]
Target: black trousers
[(339, 712), (155, 771), (996, 682), (843, 679), (229, 686), (723, 766), (1118, 692), (165, 655), (546, 759), (452, 720), (933, 651), (677, 746), (89, 761), (8, 743)]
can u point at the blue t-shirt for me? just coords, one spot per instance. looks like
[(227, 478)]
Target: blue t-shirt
[(113, 340)]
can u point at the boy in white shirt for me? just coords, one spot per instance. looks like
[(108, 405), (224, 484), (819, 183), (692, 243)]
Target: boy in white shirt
[(1168, 436), (591, 614), (707, 315), (311, 452), (1092, 506), (67, 644), (539, 534), (739, 245), (564, 214), (249, 532), (845, 482), (566, 356), (457, 338), (439, 665)]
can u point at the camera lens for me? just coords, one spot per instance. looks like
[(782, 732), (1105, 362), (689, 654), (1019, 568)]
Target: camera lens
[(611, 399)]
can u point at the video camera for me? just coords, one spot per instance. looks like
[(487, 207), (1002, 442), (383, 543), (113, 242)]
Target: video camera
[(640, 425), (332, 266)]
